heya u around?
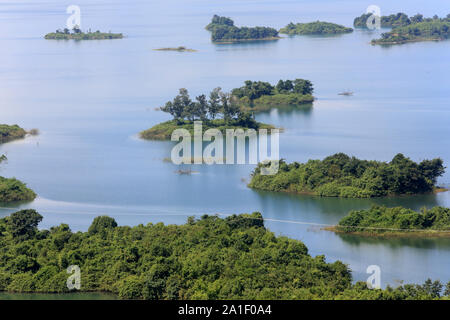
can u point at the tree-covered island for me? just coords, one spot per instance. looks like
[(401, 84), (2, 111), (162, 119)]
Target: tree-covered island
[(11, 132), (398, 222), (207, 258), (258, 96), (178, 49), (342, 176), (220, 111), (315, 28), (77, 34), (223, 30), (430, 29), (394, 20)]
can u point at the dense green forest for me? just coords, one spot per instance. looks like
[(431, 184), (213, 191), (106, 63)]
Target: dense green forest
[(12, 190), (342, 176), (223, 30), (9, 133), (381, 220), (317, 27), (260, 95), (208, 258), (438, 29), (77, 34), (219, 110)]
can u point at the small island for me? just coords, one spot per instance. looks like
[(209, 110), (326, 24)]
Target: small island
[(315, 28), (428, 30), (256, 96), (185, 111), (77, 34), (396, 222), (11, 132), (13, 190), (178, 49), (348, 177), (223, 30)]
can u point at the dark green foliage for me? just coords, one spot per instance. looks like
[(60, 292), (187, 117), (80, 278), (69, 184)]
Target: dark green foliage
[(23, 224), (393, 20), (209, 258), (343, 176), (422, 31), (101, 223), (9, 133), (383, 219), (223, 29), (318, 27), (14, 190)]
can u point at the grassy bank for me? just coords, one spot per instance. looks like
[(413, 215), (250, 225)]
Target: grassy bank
[(163, 131)]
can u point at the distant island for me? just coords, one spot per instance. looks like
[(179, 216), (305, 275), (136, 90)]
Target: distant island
[(394, 20), (398, 222), (258, 96), (12, 190), (77, 34), (223, 30), (185, 111), (11, 132), (179, 49), (428, 30), (348, 177), (318, 28)]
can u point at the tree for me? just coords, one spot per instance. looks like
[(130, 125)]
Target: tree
[(102, 223), (23, 224), (214, 102), (201, 107)]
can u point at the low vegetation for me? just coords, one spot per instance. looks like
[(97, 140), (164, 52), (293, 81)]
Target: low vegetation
[(12, 190), (317, 27), (348, 177), (77, 34), (208, 258), (397, 221), (223, 30)]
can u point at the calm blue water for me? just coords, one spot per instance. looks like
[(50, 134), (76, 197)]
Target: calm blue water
[(90, 99)]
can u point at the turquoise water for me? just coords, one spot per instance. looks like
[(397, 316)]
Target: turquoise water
[(90, 99)]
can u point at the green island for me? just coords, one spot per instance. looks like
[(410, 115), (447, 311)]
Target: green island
[(185, 111), (11, 132), (178, 49), (396, 222), (430, 30), (256, 96), (206, 258), (394, 20), (77, 34), (342, 176), (13, 190), (317, 27), (223, 30)]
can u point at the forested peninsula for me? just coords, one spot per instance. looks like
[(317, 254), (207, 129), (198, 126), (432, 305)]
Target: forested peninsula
[(207, 258), (394, 20), (398, 222), (77, 34), (223, 30), (315, 28), (11, 132), (220, 111), (342, 176)]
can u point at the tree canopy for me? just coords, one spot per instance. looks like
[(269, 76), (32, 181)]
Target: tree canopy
[(342, 176), (11, 132), (317, 27)]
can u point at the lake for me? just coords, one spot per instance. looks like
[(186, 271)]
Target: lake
[(90, 99)]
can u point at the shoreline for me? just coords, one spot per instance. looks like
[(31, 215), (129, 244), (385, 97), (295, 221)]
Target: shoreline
[(391, 234), (229, 41)]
